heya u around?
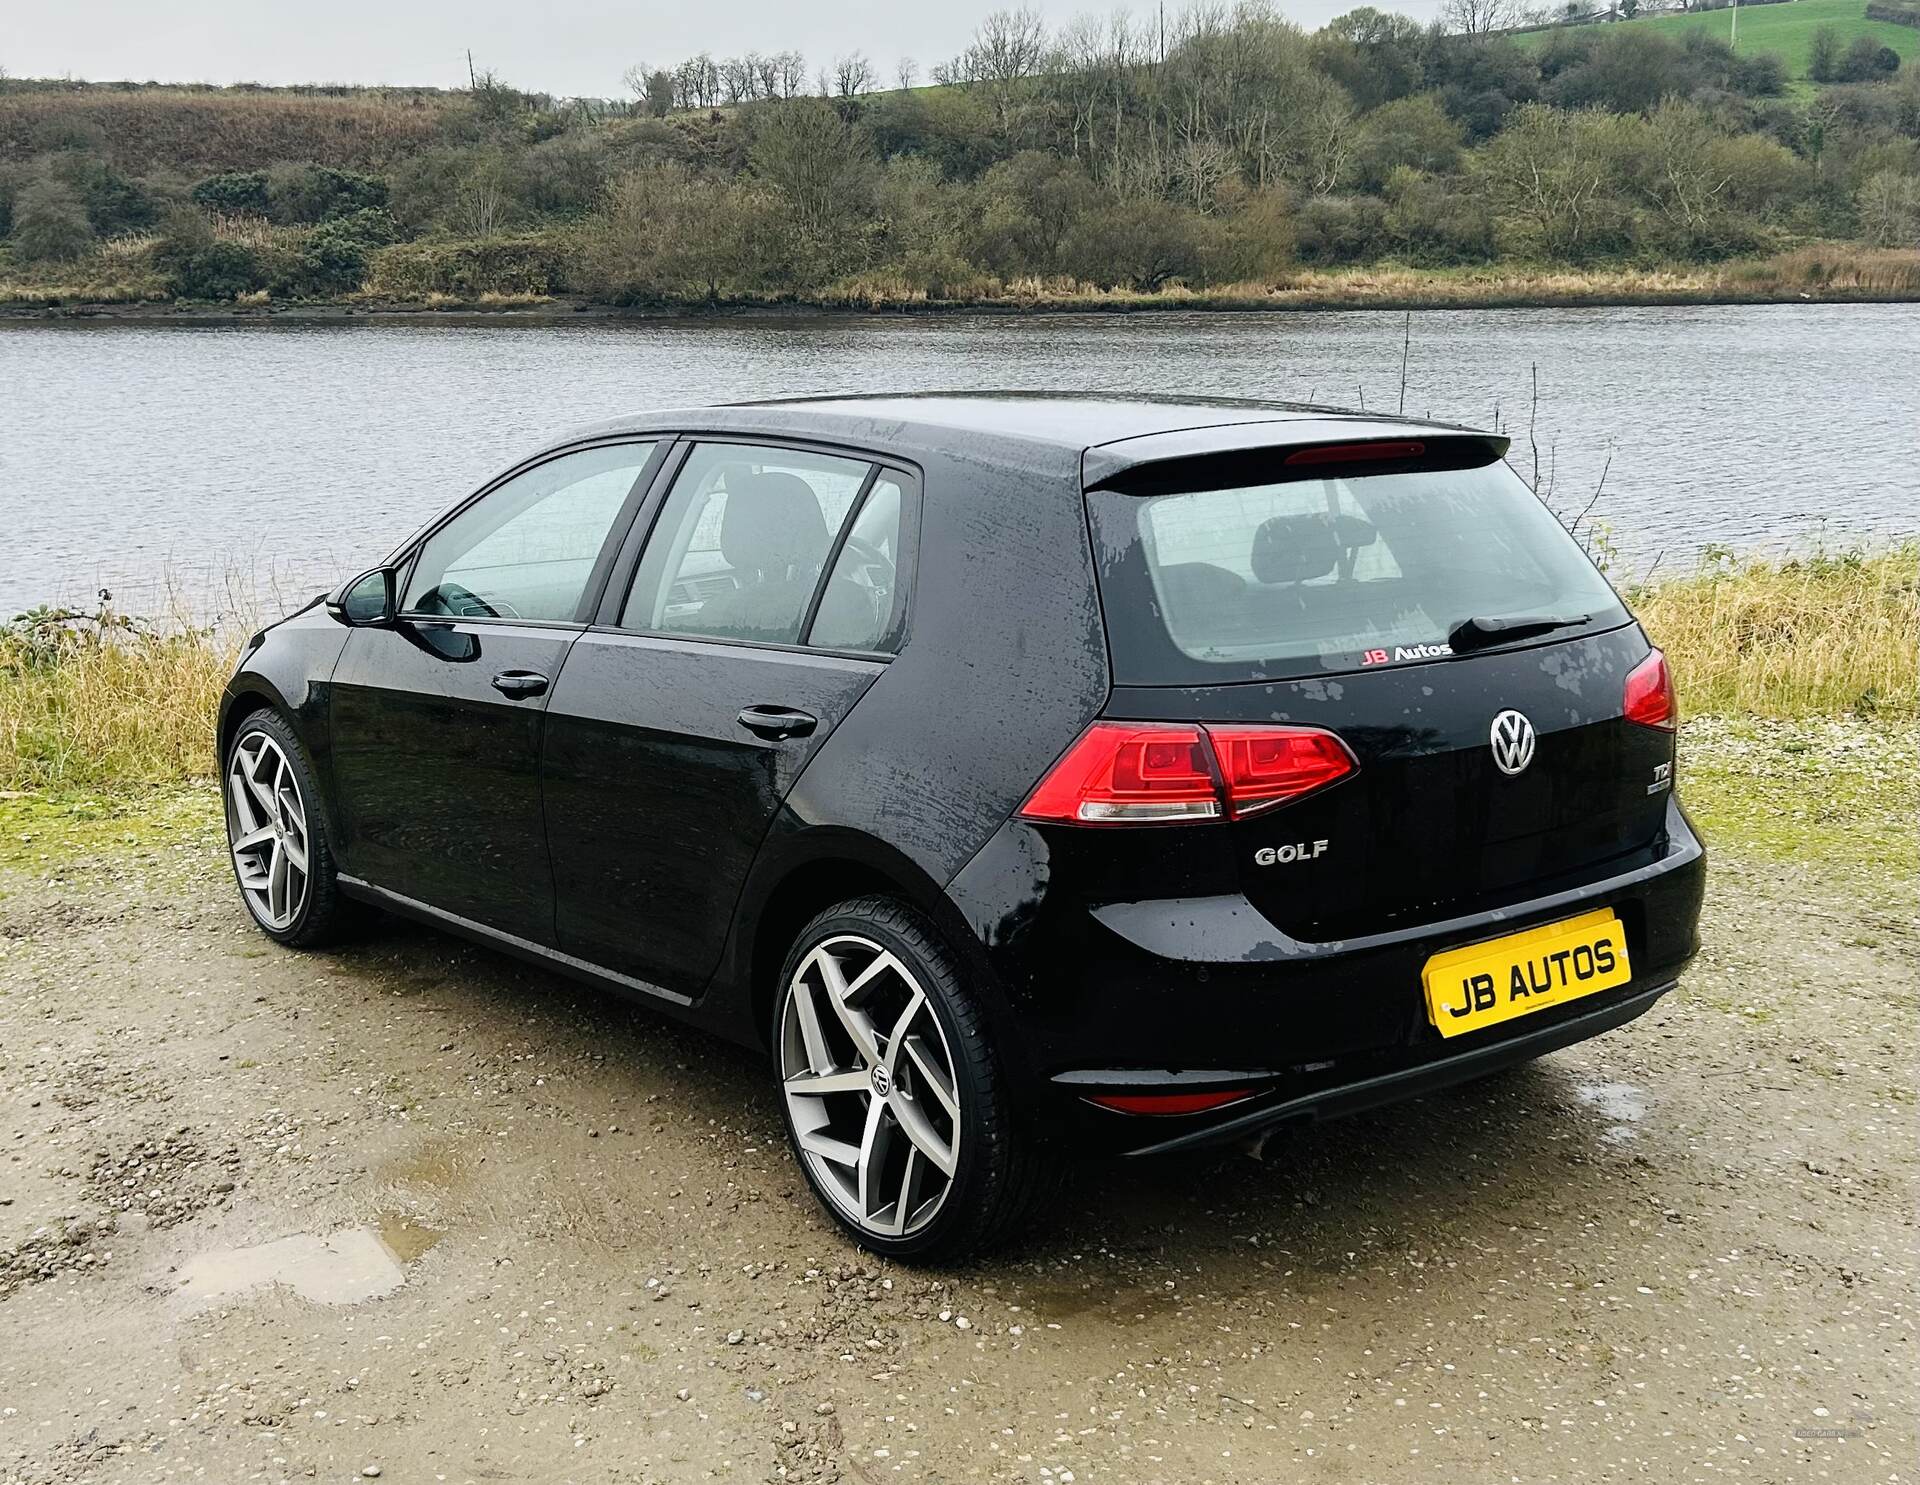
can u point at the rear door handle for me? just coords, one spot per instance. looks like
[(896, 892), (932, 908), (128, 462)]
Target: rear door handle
[(518, 685), (777, 723)]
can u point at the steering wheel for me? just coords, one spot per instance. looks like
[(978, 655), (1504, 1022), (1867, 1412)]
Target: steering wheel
[(869, 556), (461, 601)]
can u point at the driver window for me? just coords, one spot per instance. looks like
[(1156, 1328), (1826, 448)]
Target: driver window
[(526, 549)]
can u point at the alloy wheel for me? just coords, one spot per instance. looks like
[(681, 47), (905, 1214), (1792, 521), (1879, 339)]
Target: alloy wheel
[(267, 829), (869, 1083)]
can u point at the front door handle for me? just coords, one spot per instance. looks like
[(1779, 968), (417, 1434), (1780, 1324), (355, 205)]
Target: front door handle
[(518, 685), (777, 723)]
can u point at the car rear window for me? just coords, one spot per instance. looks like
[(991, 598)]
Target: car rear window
[(1309, 576)]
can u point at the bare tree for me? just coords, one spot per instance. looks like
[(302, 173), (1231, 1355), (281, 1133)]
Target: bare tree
[(1008, 46), (906, 74), (1477, 17), (766, 71), (737, 79), (791, 74), (852, 76)]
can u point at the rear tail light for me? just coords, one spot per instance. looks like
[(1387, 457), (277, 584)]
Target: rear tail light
[(1169, 1103), (1650, 693), (1169, 773)]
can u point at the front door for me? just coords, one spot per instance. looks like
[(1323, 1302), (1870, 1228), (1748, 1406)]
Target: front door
[(436, 721), (768, 598)]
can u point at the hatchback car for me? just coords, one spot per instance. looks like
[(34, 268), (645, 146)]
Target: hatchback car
[(1024, 773)]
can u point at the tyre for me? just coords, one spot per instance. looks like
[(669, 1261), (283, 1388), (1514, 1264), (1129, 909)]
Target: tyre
[(893, 1097), (276, 835)]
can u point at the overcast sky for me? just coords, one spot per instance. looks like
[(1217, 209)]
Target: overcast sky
[(563, 46)]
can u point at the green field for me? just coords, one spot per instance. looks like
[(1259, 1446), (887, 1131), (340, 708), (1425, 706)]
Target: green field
[(1786, 30)]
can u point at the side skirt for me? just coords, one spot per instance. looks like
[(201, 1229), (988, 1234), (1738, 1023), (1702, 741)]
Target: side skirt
[(524, 948)]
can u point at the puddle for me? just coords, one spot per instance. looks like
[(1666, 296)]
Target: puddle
[(347, 1267), (1623, 1103)]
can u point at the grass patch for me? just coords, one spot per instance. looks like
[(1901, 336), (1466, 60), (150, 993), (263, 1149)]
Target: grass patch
[(51, 830), (1815, 791), (1811, 636), (1785, 30)]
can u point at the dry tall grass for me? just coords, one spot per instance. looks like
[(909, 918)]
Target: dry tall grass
[(95, 706), (209, 130), (113, 705), (1810, 636)]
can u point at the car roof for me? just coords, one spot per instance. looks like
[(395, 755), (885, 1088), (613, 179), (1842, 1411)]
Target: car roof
[(1102, 432)]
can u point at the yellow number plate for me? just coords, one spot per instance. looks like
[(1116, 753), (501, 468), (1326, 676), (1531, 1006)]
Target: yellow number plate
[(1484, 984)]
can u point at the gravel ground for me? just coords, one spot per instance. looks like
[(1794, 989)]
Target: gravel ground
[(416, 1212)]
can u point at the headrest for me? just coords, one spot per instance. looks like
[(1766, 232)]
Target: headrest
[(1291, 549), (772, 523)]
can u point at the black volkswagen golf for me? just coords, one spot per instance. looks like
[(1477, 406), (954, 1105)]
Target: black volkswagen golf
[(1024, 773)]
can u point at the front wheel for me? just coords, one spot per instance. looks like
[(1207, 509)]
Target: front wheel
[(892, 1094), (275, 835)]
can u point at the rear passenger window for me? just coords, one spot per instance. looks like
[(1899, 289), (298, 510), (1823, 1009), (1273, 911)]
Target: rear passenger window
[(861, 608), (739, 547)]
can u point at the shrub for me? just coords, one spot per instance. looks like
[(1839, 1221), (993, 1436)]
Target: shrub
[(1888, 204), (113, 203), (1433, 223), (1342, 229), (234, 192), (50, 223), (669, 235), (1866, 60), (516, 267), (1823, 54), (1142, 244), (1413, 132), (1259, 241), (198, 265), (306, 194)]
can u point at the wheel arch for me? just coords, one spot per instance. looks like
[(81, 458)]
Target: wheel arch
[(806, 873)]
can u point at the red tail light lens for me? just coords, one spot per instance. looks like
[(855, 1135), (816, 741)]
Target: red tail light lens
[(1130, 771), (1650, 699), (1169, 1103), (1265, 766), (1170, 773)]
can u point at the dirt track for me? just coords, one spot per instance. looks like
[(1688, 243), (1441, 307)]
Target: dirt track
[(1683, 1252)]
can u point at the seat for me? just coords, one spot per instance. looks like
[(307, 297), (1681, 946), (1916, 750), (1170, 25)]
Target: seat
[(774, 538)]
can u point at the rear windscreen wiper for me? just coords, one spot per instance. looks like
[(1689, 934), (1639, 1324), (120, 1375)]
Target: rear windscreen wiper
[(1477, 634)]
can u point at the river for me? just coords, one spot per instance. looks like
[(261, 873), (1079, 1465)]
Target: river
[(222, 467)]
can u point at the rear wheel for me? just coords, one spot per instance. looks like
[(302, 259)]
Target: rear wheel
[(281, 858), (892, 1094)]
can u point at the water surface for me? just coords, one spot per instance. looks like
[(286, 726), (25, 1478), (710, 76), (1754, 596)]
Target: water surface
[(188, 458)]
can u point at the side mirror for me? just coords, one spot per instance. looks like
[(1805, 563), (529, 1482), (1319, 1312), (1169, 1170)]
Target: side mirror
[(370, 600)]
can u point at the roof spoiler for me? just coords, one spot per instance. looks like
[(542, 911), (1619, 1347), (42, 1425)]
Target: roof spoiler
[(1162, 471)]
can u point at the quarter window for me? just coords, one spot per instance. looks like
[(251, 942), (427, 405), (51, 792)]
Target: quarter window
[(739, 546), (526, 549), (861, 607)]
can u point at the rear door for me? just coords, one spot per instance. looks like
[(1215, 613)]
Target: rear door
[(769, 593), (1255, 595), (436, 721)]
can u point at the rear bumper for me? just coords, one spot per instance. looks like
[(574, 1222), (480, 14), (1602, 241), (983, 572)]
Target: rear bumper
[(1204, 993), (1243, 1121)]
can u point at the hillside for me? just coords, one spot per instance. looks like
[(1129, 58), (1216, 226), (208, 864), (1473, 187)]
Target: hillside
[(1786, 30), (1248, 160)]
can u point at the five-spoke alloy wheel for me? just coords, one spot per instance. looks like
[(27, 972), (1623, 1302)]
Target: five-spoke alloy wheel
[(891, 1087), (278, 841), (267, 827), (869, 1084)]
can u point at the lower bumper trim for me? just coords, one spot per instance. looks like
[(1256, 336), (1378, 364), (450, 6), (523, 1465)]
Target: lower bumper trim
[(1411, 1082)]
